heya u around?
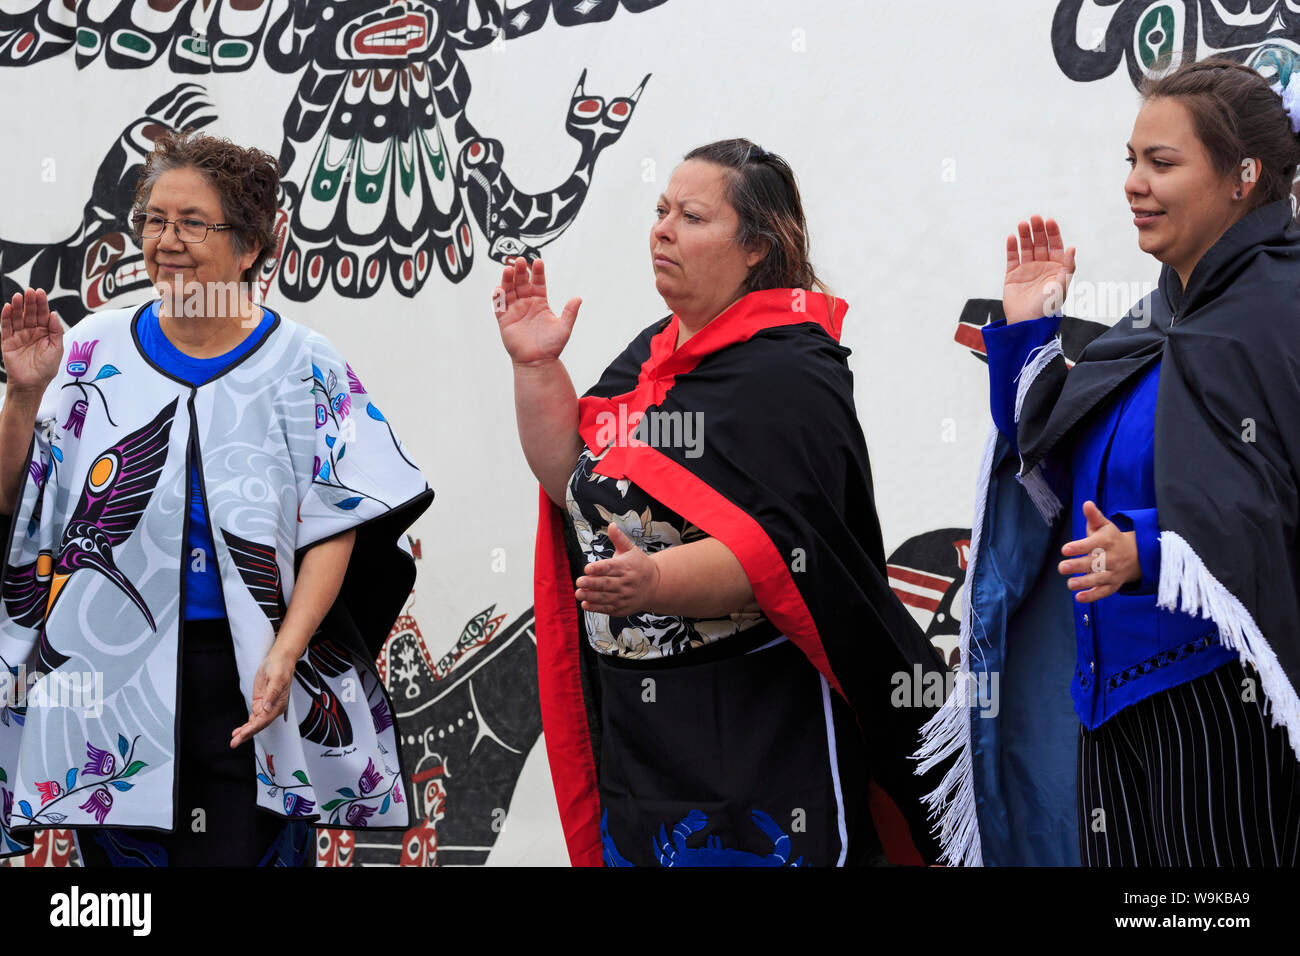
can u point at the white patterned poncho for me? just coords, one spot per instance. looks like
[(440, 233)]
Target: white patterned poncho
[(291, 451)]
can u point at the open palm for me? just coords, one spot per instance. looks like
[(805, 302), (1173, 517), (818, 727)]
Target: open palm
[(1038, 271), (530, 331), (31, 341)]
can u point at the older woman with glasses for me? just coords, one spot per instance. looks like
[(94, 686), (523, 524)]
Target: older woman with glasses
[(205, 508)]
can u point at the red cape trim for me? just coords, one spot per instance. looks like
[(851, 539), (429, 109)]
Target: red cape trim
[(559, 684), (666, 481), (750, 315), (564, 716)]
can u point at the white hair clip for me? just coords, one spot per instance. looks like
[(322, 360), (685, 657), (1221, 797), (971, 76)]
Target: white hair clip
[(1290, 99)]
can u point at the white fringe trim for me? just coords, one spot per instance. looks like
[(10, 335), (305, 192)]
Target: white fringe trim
[(1040, 493), (1187, 585), (1034, 365), (949, 731)]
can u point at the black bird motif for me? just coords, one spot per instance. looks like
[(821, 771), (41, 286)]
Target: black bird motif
[(27, 590), (326, 722), (118, 486)]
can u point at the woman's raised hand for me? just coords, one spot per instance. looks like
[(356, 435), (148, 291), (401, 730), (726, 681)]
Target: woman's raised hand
[(530, 331), (1038, 271), (31, 342)]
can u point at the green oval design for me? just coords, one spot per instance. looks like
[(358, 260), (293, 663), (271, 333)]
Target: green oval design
[(129, 41), (233, 50), (88, 40), (1161, 18)]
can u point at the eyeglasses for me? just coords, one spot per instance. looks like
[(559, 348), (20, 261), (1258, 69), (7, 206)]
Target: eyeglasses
[(187, 230)]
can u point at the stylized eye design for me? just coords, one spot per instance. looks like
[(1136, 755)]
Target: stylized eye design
[(320, 415), (1158, 35), (589, 108), (77, 368), (509, 246), (338, 401), (102, 472), (619, 111)]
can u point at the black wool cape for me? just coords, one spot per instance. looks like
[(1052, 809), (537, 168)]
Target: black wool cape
[(784, 482)]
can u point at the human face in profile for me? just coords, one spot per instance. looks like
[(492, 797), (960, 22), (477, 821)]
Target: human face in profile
[(1181, 204)]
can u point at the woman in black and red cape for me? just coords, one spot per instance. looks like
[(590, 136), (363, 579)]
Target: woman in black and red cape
[(719, 650)]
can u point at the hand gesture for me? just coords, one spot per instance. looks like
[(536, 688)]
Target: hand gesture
[(530, 331), (31, 341), (1110, 558), (1038, 272), (622, 585), (270, 695)]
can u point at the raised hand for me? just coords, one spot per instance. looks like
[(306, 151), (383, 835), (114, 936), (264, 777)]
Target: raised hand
[(530, 331), (1038, 271), (31, 341), (1109, 558)]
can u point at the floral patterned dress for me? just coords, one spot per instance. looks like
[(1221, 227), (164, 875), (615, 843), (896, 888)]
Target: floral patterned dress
[(688, 755), (593, 502)]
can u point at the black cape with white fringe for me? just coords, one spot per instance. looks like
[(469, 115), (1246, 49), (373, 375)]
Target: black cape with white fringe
[(1227, 438)]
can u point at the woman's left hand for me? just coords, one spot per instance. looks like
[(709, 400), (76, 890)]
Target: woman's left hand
[(1110, 555), (270, 694), (620, 586)]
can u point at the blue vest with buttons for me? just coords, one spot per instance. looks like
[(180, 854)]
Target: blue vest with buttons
[(1127, 647)]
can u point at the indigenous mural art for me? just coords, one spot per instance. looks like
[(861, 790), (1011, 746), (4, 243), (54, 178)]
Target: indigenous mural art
[(468, 720), (99, 265), (397, 179), (927, 573), (383, 169), (49, 848), (1091, 37)]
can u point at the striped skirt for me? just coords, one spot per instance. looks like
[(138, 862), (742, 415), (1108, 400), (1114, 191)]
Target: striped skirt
[(1192, 776)]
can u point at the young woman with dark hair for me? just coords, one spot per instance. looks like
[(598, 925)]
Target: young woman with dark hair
[(711, 585), (1168, 457)]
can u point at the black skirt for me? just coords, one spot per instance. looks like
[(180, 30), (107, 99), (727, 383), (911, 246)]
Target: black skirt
[(218, 822), (729, 755)]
